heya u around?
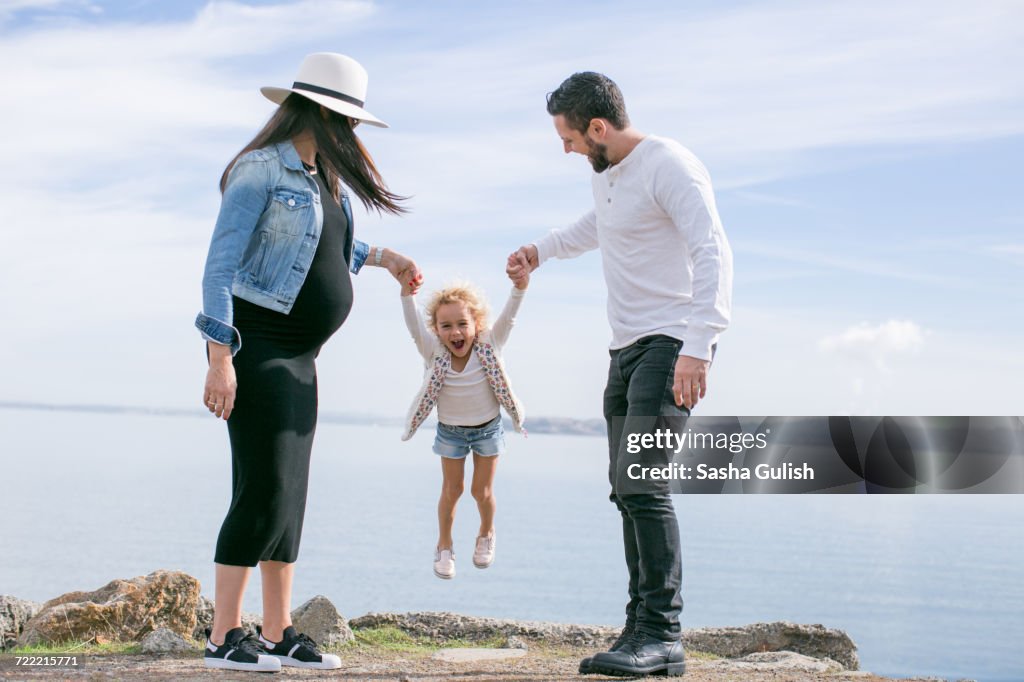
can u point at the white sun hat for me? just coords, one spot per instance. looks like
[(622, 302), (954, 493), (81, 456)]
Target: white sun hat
[(332, 80)]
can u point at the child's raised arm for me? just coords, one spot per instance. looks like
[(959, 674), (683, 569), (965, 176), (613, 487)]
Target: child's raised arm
[(426, 341), (507, 319)]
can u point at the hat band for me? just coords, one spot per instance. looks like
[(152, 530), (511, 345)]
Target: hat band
[(297, 85)]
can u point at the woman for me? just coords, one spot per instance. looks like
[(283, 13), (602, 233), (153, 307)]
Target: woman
[(275, 288)]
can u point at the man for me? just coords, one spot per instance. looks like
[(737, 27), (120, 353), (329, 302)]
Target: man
[(668, 268)]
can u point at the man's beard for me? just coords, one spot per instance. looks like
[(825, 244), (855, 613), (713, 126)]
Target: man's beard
[(597, 154)]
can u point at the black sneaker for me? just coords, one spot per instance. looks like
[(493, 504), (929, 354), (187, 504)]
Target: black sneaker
[(239, 652), (298, 651), (623, 637)]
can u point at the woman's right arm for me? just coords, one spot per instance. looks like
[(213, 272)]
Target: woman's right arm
[(245, 198)]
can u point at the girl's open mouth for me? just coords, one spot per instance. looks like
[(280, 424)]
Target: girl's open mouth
[(457, 345)]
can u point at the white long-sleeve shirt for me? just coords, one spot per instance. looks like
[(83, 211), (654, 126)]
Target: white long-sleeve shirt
[(467, 398), (667, 263)]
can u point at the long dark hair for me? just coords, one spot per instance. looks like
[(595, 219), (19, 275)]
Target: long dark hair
[(340, 153)]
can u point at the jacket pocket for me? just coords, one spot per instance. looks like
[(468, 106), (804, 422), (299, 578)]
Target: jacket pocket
[(290, 210)]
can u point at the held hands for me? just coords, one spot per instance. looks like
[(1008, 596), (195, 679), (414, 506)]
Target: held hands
[(521, 277), (221, 385), (520, 264), (404, 270), (691, 381)]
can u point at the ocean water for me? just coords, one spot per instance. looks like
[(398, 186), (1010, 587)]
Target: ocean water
[(925, 585)]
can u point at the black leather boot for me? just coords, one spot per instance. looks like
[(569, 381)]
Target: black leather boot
[(623, 637), (642, 654)]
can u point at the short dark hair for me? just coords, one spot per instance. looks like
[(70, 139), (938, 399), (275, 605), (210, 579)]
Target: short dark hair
[(586, 95)]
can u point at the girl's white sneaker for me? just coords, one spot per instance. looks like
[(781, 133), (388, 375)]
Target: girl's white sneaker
[(483, 555), (444, 563)]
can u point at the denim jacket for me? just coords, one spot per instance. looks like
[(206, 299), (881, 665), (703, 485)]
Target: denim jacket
[(263, 243)]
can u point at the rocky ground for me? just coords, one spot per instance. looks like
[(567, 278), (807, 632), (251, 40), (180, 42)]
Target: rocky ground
[(382, 665), (152, 627)]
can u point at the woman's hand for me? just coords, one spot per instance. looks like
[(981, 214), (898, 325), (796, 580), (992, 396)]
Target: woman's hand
[(221, 385), (402, 269)]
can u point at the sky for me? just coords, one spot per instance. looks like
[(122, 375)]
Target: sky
[(864, 157)]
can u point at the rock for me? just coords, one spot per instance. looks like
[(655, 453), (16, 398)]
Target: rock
[(318, 619), (782, 661), (514, 642), (204, 619), (815, 641), (14, 613), (463, 655), (441, 627), (123, 610), (164, 641)]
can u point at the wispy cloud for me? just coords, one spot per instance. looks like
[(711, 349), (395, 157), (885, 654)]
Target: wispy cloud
[(749, 82), (886, 265), (1013, 253), (870, 357), (769, 199), (117, 131), (9, 8), (877, 343), (96, 95)]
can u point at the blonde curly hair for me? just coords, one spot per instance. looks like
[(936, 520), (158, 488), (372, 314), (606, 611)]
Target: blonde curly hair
[(459, 292)]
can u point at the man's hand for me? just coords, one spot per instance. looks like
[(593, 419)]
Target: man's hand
[(525, 262), (691, 381), (518, 270)]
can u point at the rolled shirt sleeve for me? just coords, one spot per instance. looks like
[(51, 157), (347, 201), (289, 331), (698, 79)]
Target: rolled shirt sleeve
[(360, 252)]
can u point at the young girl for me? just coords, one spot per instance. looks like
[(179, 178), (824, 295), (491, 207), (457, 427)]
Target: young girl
[(465, 378)]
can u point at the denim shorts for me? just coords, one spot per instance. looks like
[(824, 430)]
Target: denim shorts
[(456, 442)]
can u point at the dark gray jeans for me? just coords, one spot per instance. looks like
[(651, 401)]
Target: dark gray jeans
[(640, 389)]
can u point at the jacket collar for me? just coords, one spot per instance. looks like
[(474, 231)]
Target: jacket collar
[(289, 157)]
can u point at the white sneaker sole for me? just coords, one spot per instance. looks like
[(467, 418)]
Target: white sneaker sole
[(329, 662), (266, 664), (443, 576), (483, 565)]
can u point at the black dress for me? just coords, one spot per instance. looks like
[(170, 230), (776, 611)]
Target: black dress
[(272, 425)]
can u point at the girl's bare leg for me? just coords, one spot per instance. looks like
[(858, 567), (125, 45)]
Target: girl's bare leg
[(453, 474), (483, 491)]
